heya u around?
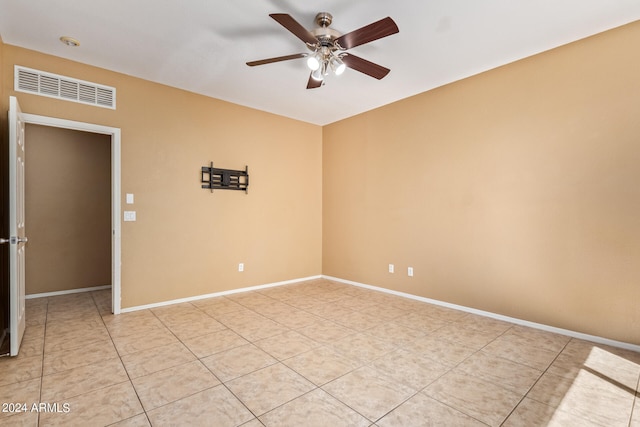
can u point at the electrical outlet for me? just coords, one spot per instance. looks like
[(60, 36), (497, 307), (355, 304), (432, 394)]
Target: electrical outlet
[(410, 271), (241, 267), (391, 268)]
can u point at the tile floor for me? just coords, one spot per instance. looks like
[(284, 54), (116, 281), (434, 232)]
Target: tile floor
[(316, 353)]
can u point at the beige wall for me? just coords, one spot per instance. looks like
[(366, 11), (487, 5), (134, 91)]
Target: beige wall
[(188, 241), (68, 209), (515, 191)]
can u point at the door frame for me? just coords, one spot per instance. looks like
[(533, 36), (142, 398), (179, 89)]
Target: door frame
[(115, 190)]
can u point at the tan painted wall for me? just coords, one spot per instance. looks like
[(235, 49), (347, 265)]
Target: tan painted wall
[(188, 241), (515, 191), (68, 209)]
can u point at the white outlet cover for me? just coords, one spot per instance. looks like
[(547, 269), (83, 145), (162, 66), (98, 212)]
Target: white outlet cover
[(410, 271), (129, 198), (129, 215), (391, 268)]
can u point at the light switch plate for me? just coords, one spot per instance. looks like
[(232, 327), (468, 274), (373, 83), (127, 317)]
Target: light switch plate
[(129, 215), (129, 198)]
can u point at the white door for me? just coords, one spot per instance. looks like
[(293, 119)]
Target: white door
[(17, 239)]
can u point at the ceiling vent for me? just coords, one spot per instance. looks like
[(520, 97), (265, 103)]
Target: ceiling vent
[(61, 87)]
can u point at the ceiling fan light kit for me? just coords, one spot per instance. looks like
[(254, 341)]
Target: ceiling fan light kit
[(329, 47)]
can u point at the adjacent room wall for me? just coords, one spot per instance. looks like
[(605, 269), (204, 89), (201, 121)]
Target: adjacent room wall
[(68, 209), (188, 241), (515, 191)]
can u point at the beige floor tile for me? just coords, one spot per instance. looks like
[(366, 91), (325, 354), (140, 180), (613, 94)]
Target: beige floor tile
[(615, 365), (635, 417), (449, 353), (469, 337), (155, 337), (135, 323), (369, 392), (357, 304), (258, 331), (409, 368), (74, 338), (250, 299), (587, 396), (484, 324), (156, 359), (100, 407), (72, 313), (359, 321), (387, 312), (421, 322), (243, 318), (479, 399), (136, 421), (19, 368), (502, 372), (35, 315), (422, 411), (171, 310), (238, 361), (93, 352), (362, 348), (398, 335), (439, 312), (22, 419), (314, 409), (32, 347), (273, 309), (270, 387), (326, 331), (532, 413), (321, 365), (34, 332), (215, 307), (206, 345), (521, 350), (391, 360), (296, 319), (539, 338), (330, 311), (63, 385), (286, 345), (212, 407), (173, 384), (27, 392)]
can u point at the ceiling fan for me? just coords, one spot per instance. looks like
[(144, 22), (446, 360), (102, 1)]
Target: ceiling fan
[(329, 48)]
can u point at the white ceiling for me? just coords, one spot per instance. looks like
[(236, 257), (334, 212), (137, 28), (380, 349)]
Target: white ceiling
[(202, 45)]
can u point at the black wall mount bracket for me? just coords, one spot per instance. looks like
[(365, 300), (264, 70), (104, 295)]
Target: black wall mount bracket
[(225, 179)]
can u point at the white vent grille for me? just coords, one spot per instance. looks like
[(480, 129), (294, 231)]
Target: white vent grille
[(61, 87)]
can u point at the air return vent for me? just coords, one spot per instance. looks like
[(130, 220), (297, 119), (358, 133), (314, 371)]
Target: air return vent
[(61, 87)]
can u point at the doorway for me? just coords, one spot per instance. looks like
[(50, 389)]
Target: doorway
[(68, 209), (113, 136)]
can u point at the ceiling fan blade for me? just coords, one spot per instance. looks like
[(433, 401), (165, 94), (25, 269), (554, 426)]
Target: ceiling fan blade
[(364, 66), (377, 30), (313, 83), (276, 59), (294, 27)]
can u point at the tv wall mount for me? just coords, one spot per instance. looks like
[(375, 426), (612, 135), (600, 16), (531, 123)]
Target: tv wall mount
[(225, 179)]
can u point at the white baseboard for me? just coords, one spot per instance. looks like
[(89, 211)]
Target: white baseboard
[(67, 292), (218, 294), (573, 334)]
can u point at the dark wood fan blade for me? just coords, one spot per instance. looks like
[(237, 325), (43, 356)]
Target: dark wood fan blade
[(364, 66), (379, 29), (313, 83), (294, 27), (276, 59)]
